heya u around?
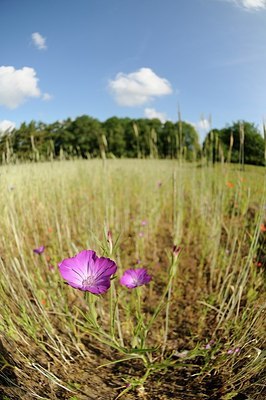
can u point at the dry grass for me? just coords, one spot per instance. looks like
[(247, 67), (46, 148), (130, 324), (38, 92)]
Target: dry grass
[(215, 214)]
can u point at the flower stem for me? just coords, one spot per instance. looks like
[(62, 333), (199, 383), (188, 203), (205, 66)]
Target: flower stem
[(91, 301)]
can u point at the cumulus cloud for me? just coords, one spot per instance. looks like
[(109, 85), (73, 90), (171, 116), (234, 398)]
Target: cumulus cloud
[(47, 97), (16, 85), (6, 126), (203, 124), (138, 88), (39, 41), (151, 113), (250, 4)]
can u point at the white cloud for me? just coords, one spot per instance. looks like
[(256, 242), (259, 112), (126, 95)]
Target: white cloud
[(151, 113), (250, 4), (138, 87), (6, 126), (47, 97), (16, 85), (39, 41), (203, 125)]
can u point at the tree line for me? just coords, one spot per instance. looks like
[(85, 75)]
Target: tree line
[(87, 137)]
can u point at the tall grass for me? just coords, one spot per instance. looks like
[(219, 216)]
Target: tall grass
[(214, 213)]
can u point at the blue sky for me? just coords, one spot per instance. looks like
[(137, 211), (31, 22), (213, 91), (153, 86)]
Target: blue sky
[(135, 58)]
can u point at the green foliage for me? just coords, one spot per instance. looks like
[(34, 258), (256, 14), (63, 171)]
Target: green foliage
[(86, 137), (238, 142), (114, 131)]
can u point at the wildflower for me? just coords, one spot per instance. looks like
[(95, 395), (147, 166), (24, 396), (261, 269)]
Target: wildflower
[(141, 234), (233, 351), (133, 278), (176, 250), (209, 345), (144, 222), (229, 184), (263, 228), (39, 250), (86, 271)]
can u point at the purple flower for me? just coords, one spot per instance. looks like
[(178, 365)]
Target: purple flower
[(133, 278), (39, 250), (176, 250), (86, 271), (231, 351), (209, 345)]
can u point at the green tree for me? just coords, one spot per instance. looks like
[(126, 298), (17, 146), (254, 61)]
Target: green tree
[(240, 141), (179, 138), (114, 129)]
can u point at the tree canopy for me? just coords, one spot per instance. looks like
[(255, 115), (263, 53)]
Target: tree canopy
[(240, 142), (87, 137)]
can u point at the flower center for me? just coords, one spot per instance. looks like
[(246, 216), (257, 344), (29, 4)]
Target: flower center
[(89, 281)]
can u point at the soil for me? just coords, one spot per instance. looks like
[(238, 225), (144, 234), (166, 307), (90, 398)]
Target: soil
[(20, 380), (102, 384)]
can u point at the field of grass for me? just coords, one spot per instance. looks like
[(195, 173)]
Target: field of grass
[(196, 331)]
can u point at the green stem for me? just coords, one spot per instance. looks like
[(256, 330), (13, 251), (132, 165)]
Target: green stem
[(167, 318), (91, 301)]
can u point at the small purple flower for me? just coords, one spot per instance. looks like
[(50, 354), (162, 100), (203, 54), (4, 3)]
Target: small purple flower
[(144, 222), (39, 250), (141, 234), (133, 278), (86, 271), (236, 350), (209, 345), (176, 250)]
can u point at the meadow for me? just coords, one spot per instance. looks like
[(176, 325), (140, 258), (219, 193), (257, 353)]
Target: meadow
[(195, 331)]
